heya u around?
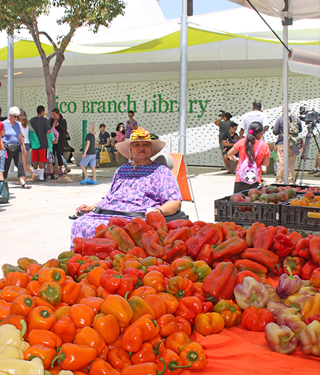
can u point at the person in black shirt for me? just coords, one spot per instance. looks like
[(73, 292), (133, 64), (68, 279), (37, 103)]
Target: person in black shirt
[(227, 143), (89, 155), (104, 140)]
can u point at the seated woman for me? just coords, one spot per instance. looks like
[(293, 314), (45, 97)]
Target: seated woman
[(137, 187)]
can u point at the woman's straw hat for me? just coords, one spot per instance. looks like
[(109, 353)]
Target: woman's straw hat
[(139, 135)]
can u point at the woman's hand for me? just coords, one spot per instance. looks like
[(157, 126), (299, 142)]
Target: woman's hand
[(84, 208)]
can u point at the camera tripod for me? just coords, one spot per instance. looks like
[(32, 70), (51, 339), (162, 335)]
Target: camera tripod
[(304, 155)]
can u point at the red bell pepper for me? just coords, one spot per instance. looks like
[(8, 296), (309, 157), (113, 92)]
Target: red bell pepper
[(151, 244), (282, 244), (255, 319), (308, 268), (249, 265), (188, 308), (232, 246), (206, 254), (294, 263), (314, 248), (220, 283), (117, 283), (180, 223), (175, 250), (156, 220), (100, 247), (261, 255), (230, 230), (123, 239), (264, 238), (255, 227), (181, 234), (206, 235), (136, 227), (302, 248)]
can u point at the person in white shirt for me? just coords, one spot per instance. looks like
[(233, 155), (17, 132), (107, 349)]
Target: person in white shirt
[(256, 115)]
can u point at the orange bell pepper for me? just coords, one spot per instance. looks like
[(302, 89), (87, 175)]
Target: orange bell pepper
[(143, 329), (34, 288), (230, 312), (100, 367), (140, 307), (116, 283), (44, 337), (184, 325), (41, 302), (209, 323), (10, 293), (93, 302), (177, 341), (41, 317), (4, 309), (81, 315), (70, 292), (145, 354), (138, 252), (179, 286), (158, 346), (74, 357), (143, 291), (171, 302), (65, 329), (119, 307), (102, 292), (311, 307), (94, 276), (45, 353), (56, 275), (173, 362), (86, 291), (22, 305), (119, 358), (148, 368), (155, 279), (16, 278), (167, 324), (193, 354), (189, 307), (33, 268), (107, 326), (157, 304), (90, 337)]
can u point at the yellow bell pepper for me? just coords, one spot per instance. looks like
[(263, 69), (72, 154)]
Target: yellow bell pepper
[(19, 367), (8, 351), (10, 335), (311, 307), (64, 372)]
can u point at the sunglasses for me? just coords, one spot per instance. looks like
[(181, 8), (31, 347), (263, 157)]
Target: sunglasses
[(130, 116), (14, 116)]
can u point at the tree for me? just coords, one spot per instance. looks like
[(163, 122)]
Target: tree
[(23, 14)]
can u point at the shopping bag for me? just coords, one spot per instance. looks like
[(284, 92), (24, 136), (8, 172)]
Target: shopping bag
[(33, 138), (104, 156), (4, 192)]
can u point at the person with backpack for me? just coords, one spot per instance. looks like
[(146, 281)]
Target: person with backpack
[(295, 127), (253, 154)]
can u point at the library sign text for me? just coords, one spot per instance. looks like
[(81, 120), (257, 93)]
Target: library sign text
[(156, 105)]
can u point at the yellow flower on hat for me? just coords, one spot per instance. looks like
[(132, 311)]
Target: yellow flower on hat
[(140, 133)]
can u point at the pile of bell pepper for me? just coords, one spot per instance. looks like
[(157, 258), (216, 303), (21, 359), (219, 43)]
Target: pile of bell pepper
[(128, 300)]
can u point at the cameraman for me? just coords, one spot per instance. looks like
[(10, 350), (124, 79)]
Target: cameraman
[(224, 126), (278, 130)]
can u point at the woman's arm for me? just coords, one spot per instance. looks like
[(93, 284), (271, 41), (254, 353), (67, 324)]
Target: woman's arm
[(85, 208), (23, 149), (169, 208), (231, 154), (86, 149), (265, 161)]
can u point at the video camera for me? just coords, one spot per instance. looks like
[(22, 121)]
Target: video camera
[(309, 117)]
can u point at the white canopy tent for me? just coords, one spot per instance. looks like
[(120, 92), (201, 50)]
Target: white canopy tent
[(289, 11)]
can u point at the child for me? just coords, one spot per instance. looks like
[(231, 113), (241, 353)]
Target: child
[(2, 152), (89, 155), (52, 139), (113, 150)]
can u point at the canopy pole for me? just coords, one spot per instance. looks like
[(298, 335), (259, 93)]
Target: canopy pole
[(183, 78), (285, 108), (10, 68)]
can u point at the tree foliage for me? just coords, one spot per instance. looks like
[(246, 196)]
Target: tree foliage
[(23, 14)]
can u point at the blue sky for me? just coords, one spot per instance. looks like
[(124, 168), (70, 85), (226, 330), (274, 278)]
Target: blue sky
[(172, 8)]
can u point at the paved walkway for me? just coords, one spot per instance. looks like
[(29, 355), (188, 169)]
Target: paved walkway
[(35, 222)]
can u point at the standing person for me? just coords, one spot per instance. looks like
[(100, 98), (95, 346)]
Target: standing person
[(224, 126), (24, 128), (121, 134), (251, 148), (14, 145), (89, 155), (131, 124), (104, 140), (60, 124), (256, 115), (112, 149), (2, 152), (295, 127), (227, 143), (41, 126)]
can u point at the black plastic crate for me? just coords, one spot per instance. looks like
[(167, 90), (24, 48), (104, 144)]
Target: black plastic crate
[(296, 217), (246, 213)]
